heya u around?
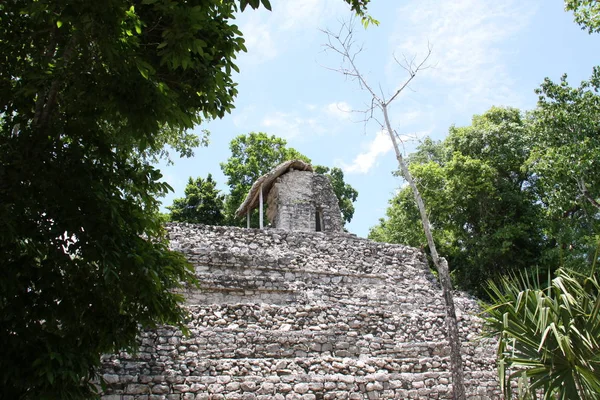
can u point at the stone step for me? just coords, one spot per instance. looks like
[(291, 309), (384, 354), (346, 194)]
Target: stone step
[(402, 266), (429, 354), (363, 297), (141, 364), (341, 284), (304, 315), (298, 293), (348, 320), (292, 273), (299, 386), (211, 358), (284, 344), (208, 295), (282, 279)]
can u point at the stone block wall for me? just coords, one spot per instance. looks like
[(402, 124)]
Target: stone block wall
[(299, 198), (304, 315)]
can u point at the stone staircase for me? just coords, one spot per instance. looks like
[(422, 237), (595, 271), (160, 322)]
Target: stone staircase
[(294, 315)]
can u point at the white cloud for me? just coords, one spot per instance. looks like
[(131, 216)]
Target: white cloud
[(340, 110), (269, 34), (410, 117), (467, 38), (172, 179), (259, 41), (306, 14), (363, 162), (305, 121), (243, 117), (288, 125), (297, 14)]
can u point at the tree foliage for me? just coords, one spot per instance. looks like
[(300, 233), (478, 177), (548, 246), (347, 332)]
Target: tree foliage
[(586, 12), (90, 92), (566, 165), (548, 335), (255, 154), (343, 44), (511, 192), (483, 209), (252, 156), (345, 193), (202, 204)]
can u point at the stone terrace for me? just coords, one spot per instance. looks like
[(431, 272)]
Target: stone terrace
[(304, 315)]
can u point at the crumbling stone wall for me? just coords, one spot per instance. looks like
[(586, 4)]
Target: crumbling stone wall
[(299, 198), (304, 315)]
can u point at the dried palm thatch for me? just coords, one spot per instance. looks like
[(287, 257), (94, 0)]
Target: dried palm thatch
[(266, 182)]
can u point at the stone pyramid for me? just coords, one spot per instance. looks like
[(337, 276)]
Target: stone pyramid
[(304, 315)]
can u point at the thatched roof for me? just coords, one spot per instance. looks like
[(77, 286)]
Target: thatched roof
[(266, 181)]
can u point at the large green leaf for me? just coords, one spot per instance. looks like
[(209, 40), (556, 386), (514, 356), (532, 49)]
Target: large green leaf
[(548, 335)]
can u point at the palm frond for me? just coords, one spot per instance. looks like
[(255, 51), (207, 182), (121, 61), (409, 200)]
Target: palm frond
[(548, 336)]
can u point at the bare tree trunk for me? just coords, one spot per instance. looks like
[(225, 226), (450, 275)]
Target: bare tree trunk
[(45, 103), (343, 47), (441, 264), (586, 193)]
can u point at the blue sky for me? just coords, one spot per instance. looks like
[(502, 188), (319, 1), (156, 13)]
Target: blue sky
[(485, 53)]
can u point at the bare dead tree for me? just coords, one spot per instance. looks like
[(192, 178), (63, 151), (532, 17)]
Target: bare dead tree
[(343, 44), (586, 193)]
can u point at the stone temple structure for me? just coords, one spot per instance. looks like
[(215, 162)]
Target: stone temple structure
[(300, 314), (297, 198)]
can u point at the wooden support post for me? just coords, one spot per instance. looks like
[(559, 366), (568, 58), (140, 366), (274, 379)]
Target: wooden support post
[(248, 219), (260, 207)]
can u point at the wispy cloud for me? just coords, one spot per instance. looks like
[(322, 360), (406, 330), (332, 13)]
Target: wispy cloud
[(243, 117), (291, 125), (269, 34), (410, 116), (363, 162), (306, 15), (304, 121), (467, 38), (259, 41), (298, 14), (340, 110), (174, 180)]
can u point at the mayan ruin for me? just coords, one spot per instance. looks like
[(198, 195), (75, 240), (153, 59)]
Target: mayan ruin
[(300, 314)]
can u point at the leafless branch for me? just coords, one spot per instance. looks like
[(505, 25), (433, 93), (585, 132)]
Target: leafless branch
[(343, 45), (412, 69), (400, 141), (586, 193), (45, 104)]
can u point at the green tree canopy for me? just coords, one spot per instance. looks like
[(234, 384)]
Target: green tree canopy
[(202, 204), (548, 334), (255, 154), (90, 92), (345, 193), (566, 164), (483, 209), (586, 12), (252, 156)]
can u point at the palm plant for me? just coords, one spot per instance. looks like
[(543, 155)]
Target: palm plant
[(549, 337)]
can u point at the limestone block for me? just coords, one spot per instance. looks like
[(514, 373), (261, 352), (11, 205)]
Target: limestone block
[(300, 314)]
